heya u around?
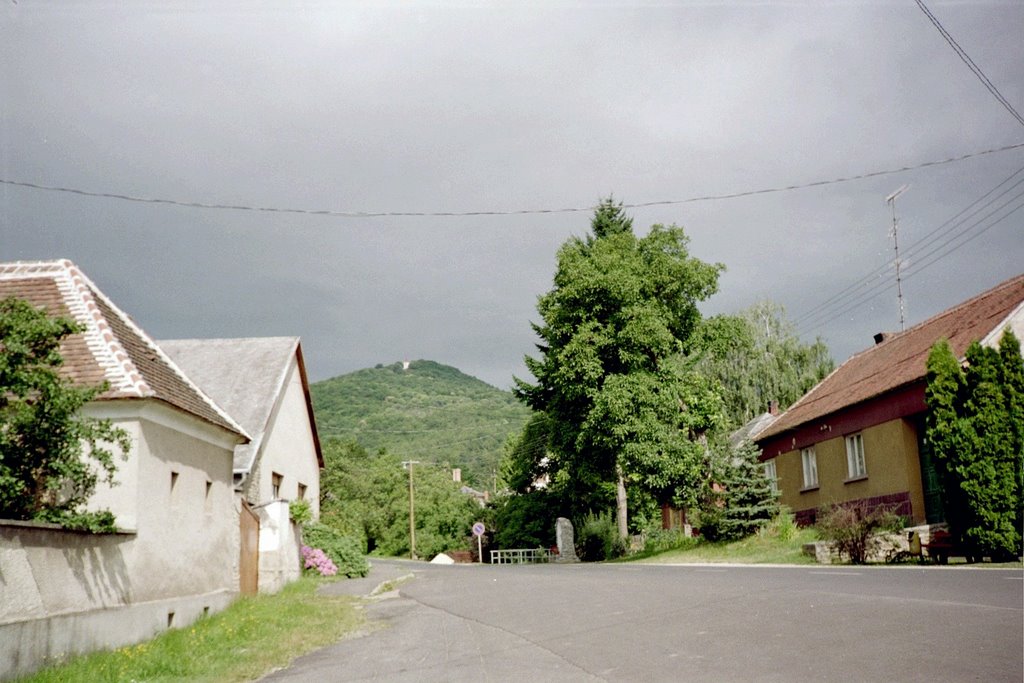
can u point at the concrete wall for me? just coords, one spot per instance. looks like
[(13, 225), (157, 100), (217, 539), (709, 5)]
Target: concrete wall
[(64, 592), (280, 552), (891, 459)]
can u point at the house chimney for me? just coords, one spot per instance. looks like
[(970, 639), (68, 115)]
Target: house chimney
[(456, 474), (881, 337), (773, 408)]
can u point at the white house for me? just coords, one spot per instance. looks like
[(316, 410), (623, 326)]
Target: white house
[(262, 383), (176, 555)]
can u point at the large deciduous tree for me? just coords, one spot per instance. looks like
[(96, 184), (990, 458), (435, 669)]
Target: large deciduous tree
[(51, 456), (758, 358), (624, 406), (973, 426)]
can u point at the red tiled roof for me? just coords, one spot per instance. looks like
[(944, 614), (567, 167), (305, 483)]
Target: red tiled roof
[(112, 348), (900, 359)]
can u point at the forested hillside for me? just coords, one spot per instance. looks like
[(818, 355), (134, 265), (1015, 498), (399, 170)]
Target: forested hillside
[(428, 412)]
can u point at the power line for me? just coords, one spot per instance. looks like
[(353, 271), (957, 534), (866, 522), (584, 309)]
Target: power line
[(516, 212), (966, 59), (879, 285), (872, 278), (826, 316)]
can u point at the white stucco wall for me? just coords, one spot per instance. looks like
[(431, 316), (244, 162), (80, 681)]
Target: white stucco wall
[(289, 450), (280, 554), (64, 592)]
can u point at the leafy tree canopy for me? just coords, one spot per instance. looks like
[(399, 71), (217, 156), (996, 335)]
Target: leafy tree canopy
[(758, 358), (51, 457), (621, 404)]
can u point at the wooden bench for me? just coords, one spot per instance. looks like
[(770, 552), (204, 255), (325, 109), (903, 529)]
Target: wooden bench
[(940, 546)]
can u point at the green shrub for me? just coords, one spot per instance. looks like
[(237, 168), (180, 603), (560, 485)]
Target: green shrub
[(783, 527), (343, 550), (662, 540), (299, 512), (851, 528), (598, 538)]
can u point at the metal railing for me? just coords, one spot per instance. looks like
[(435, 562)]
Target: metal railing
[(521, 556)]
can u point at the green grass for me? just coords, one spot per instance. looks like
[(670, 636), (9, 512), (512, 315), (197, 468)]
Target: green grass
[(247, 640), (762, 548)]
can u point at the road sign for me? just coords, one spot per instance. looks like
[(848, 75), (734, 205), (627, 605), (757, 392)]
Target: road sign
[(478, 529)]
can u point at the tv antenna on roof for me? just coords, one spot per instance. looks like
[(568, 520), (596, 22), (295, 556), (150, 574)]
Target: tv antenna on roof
[(891, 201)]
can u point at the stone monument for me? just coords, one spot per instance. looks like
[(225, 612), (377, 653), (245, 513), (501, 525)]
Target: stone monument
[(565, 541)]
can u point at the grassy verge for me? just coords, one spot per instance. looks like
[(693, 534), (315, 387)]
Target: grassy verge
[(756, 549), (250, 638)]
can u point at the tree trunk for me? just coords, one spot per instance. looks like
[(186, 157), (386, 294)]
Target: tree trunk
[(620, 503)]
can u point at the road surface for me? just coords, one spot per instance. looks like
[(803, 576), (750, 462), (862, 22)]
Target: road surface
[(633, 622)]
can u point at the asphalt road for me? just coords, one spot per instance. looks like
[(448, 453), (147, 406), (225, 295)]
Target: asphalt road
[(630, 622)]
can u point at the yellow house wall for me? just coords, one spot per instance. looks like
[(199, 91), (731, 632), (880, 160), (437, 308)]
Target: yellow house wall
[(890, 457)]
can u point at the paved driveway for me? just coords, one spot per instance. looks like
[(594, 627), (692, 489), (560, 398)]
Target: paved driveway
[(629, 622)]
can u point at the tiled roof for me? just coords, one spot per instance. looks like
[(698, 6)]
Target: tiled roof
[(247, 377), (900, 359), (112, 347)]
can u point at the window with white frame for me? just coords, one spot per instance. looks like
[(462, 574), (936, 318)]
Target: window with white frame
[(810, 463), (855, 457), (772, 474)]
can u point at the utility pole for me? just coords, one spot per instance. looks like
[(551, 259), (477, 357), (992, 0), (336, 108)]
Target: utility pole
[(891, 201), (412, 514)]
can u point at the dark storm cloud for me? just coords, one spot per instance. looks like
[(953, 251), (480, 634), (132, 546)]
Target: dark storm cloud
[(471, 108)]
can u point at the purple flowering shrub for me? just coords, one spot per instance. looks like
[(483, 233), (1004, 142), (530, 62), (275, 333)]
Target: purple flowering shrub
[(316, 560)]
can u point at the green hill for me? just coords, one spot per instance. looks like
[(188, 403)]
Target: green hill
[(428, 412)]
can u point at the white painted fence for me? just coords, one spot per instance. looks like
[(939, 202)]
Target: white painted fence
[(521, 556)]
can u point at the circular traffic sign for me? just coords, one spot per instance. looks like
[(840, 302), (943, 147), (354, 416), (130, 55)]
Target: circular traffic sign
[(478, 529)]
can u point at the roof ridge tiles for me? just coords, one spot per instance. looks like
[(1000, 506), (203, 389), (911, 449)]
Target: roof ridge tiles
[(897, 360), (80, 297), (85, 303)]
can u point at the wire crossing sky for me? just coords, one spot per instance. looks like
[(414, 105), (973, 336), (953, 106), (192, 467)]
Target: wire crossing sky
[(496, 212), (181, 155)]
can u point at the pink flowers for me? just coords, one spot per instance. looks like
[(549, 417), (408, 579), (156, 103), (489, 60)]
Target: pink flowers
[(316, 559)]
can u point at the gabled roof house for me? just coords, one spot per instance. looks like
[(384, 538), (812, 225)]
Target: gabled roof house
[(262, 383), (857, 435), (176, 554)]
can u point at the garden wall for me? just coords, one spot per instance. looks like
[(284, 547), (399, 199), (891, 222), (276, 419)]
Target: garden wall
[(64, 593)]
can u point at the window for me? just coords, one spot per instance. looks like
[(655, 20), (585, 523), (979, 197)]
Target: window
[(810, 463), (772, 475), (302, 492), (275, 485), (855, 457)]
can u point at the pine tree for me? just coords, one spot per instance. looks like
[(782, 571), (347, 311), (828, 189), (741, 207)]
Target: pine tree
[(741, 499)]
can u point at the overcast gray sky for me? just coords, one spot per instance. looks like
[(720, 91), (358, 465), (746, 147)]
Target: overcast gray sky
[(459, 107)]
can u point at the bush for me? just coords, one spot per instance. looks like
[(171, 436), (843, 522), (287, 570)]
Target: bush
[(299, 512), (598, 538), (783, 527), (663, 540), (850, 528), (343, 550), (314, 559), (525, 520)]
